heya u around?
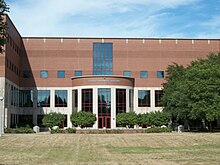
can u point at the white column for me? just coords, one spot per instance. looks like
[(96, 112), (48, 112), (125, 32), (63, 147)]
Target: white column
[(70, 107), (79, 99), (95, 106), (52, 98), (113, 107), (152, 102), (127, 100)]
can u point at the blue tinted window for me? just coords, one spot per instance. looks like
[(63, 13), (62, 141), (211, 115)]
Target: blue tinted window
[(127, 73), (102, 58), (61, 74), (60, 98), (160, 74), (78, 73), (143, 74), (44, 74)]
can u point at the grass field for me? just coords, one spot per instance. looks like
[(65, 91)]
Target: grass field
[(163, 148)]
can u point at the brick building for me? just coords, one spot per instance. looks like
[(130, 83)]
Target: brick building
[(105, 76)]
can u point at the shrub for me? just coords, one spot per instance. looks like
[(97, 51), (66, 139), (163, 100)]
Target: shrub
[(20, 130), (68, 130), (157, 130), (83, 119), (53, 119), (127, 119), (156, 118), (71, 130)]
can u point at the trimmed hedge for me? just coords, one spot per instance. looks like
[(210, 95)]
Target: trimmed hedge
[(64, 131), (20, 130), (157, 130)]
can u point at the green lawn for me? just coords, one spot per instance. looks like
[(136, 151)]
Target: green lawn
[(163, 148)]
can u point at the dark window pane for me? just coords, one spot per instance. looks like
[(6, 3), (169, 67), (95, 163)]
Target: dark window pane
[(87, 100), (60, 98), (120, 101), (158, 95), (143, 98), (61, 74), (27, 74), (160, 74), (75, 100), (26, 98)]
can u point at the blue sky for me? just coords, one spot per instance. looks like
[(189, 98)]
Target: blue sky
[(117, 18)]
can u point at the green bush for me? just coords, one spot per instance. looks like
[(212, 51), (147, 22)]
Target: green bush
[(127, 119), (68, 130), (83, 119), (53, 119), (71, 130), (157, 130), (156, 118), (20, 130)]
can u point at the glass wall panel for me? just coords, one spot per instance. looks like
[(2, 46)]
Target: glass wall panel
[(26, 98), (60, 98), (102, 58), (143, 98), (120, 101), (104, 102), (43, 98), (158, 95), (75, 100), (87, 100)]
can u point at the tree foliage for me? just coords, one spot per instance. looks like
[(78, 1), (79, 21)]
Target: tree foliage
[(194, 92), (83, 119), (3, 9), (53, 119)]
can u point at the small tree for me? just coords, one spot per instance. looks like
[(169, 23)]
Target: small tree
[(83, 119), (53, 119), (127, 119), (3, 9)]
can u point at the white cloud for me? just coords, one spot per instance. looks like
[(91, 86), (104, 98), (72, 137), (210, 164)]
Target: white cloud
[(131, 18)]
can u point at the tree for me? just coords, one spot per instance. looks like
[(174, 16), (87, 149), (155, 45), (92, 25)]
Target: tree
[(127, 119), (3, 9), (53, 119), (194, 92), (83, 119)]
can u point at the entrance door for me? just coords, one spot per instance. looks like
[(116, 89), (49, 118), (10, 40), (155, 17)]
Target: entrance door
[(104, 121)]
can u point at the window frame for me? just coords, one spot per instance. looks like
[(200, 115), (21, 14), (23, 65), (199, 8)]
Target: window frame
[(141, 101)]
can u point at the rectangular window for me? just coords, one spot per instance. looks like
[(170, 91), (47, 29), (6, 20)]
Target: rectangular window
[(143, 98), (43, 98), (26, 98), (78, 73), (60, 74), (60, 98), (75, 100), (127, 73), (44, 74), (160, 74), (102, 58), (27, 74), (87, 100), (158, 95), (104, 101), (120, 101), (143, 74)]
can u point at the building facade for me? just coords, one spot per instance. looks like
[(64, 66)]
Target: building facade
[(105, 76)]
